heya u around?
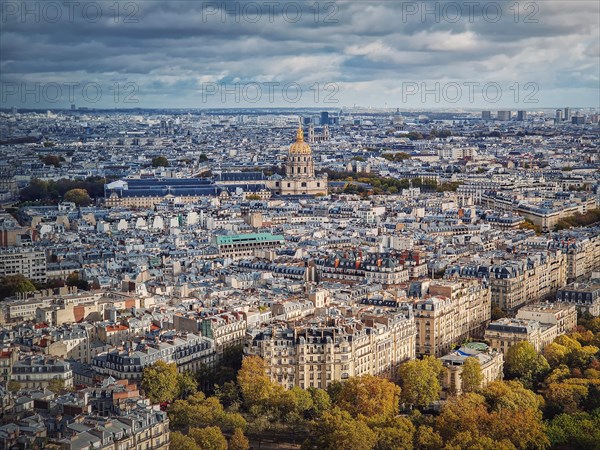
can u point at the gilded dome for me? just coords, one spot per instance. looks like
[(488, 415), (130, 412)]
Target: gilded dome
[(300, 147)]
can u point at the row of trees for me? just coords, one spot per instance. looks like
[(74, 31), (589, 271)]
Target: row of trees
[(11, 285), (51, 192), (386, 185), (579, 220)]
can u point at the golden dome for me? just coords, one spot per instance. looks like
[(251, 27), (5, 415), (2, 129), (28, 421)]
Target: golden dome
[(300, 147)]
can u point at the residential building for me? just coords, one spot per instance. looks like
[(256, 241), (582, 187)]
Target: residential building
[(335, 349), (491, 363)]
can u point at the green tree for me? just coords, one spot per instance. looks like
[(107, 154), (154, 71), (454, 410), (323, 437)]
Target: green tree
[(370, 396), (160, 382), (209, 438), (74, 280), (186, 384), (238, 441), (523, 363), (13, 386), (426, 438), (577, 431), (13, 284), (471, 375), (202, 158), (51, 160), (182, 442), (78, 196), (56, 385), (255, 385), (336, 429), (393, 433), (320, 401), (420, 381), (160, 161), (199, 411), (556, 354)]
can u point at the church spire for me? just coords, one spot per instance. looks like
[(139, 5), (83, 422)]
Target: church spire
[(300, 132)]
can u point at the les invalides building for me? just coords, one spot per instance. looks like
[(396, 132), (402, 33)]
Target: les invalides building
[(300, 176)]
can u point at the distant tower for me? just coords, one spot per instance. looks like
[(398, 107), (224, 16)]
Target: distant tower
[(326, 134), (311, 134), (558, 117), (567, 115)]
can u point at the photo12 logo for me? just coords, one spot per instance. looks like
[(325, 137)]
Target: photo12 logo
[(53, 93), (469, 11), (68, 11), (469, 91), (269, 92)]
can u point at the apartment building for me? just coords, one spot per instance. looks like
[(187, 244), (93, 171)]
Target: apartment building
[(37, 372), (519, 280), (456, 310), (582, 250), (189, 351), (8, 357), (143, 428), (506, 332), (563, 315), (225, 329), (585, 296), (25, 261), (491, 363), (354, 267), (316, 354)]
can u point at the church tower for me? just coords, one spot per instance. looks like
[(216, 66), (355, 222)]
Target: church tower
[(300, 176)]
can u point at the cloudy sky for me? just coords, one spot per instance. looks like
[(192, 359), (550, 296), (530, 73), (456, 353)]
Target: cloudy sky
[(195, 54)]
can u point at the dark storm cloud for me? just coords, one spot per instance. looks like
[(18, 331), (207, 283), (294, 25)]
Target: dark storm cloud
[(172, 50)]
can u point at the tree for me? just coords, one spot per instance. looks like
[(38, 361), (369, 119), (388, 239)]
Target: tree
[(565, 397), (160, 161), (426, 438), (255, 384), (420, 382), (182, 442), (74, 280), (13, 386), (13, 284), (580, 431), (556, 354), (209, 438), (393, 433), (471, 375), (497, 313), (186, 384), (336, 429), (370, 396), (160, 382), (238, 441), (523, 362), (199, 411), (506, 414), (51, 160), (253, 197), (56, 385), (202, 158), (320, 401), (78, 196)]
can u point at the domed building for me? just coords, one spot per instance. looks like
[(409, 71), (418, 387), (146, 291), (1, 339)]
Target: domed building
[(300, 176)]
